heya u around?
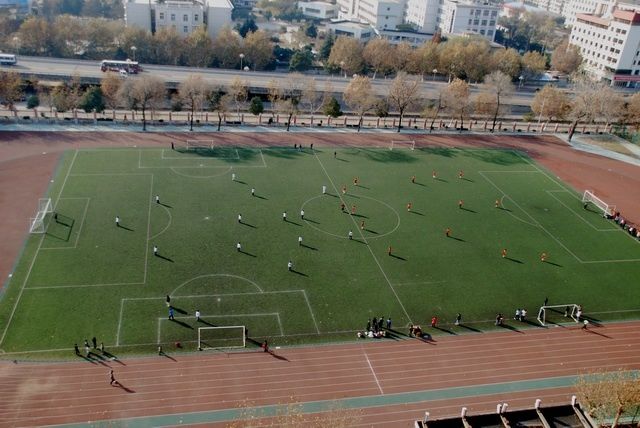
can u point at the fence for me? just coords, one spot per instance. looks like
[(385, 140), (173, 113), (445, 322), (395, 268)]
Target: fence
[(159, 118)]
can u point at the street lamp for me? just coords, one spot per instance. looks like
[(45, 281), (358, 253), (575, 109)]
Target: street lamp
[(521, 79), (133, 50), (16, 42), (434, 71), (241, 58)]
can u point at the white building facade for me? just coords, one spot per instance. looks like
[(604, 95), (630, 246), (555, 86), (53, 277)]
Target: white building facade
[(184, 17), (318, 9), (610, 44), (469, 17)]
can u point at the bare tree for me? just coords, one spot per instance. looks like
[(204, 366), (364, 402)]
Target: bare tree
[(346, 54), (611, 104), (499, 86), (311, 98), (437, 106), (585, 104), (550, 102), (632, 111), (193, 92), (291, 96), (566, 58), (403, 93), (607, 395), (110, 85), (147, 93), (219, 102), (10, 89), (379, 55), (458, 100), (274, 94), (239, 91), (359, 96)]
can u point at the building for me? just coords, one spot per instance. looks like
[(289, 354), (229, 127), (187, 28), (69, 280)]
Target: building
[(414, 39), (426, 16), (357, 30), (591, 7), (610, 44), (476, 17), (318, 9), (184, 16)]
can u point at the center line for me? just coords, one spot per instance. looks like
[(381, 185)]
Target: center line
[(374, 373)]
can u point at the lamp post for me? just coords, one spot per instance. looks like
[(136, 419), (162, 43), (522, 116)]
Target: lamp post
[(241, 59), (521, 79), (16, 42), (133, 51), (434, 71), (544, 100)]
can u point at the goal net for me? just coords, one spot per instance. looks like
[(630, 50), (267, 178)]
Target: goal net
[(407, 144), (221, 337), (37, 223), (558, 314), (590, 198), (199, 145)]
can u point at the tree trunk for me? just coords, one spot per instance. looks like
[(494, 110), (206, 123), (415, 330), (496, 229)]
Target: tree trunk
[(360, 123), (289, 121), (144, 119), (616, 419), (191, 119), (572, 129), (400, 121), (495, 116), (461, 121), (435, 116), (219, 121)]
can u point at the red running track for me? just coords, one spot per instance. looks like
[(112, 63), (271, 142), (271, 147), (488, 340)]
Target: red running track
[(36, 394)]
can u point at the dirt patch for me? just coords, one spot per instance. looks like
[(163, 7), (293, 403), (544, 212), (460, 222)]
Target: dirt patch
[(28, 161), (609, 142)]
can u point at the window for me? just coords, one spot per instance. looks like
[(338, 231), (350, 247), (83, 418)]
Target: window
[(492, 23), (494, 13), (195, 17), (484, 23), (185, 29), (173, 16), (162, 16), (475, 21), (185, 18), (470, 21), (388, 9), (482, 32), (485, 13), (489, 32)]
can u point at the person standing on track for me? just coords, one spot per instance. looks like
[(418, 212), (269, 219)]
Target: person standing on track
[(112, 378)]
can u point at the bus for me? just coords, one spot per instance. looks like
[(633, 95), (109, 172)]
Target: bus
[(7, 59), (131, 67)]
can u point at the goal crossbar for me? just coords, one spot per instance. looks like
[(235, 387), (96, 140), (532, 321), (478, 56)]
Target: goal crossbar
[(569, 310), (221, 337), (199, 144), (411, 144), (589, 197)]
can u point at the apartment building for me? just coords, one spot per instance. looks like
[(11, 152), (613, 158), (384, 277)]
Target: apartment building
[(427, 16), (183, 16), (476, 17), (318, 9), (610, 44)]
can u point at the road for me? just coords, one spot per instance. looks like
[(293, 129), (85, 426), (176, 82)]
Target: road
[(55, 67)]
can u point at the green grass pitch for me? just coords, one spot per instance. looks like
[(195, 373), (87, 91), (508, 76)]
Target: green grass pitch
[(86, 277)]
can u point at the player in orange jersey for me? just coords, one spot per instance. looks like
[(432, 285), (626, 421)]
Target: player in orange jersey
[(434, 174), (497, 203), (409, 205), (543, 257), (504, 252), (460, 174), (353, 209)]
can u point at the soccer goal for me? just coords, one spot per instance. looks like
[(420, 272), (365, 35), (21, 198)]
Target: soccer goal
[(407, 144), (557, 314), (37, 223), (590, 198), (199, 145), (221, 337)]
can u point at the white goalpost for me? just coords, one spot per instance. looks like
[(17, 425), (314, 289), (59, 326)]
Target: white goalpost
[(230, 336), (589, 197), (406, 144), (558, 313), (37, 223), (199, 144)]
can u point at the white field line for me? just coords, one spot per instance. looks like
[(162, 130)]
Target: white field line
[(236, 157), (551, 193), (119, 322), (551, 234), (384, 274), (313, 315), (56, 287), (264, 163), (256, 314), (168, 224), (219, 174), (99, 174), (373, 373), (35, 256), (175, 290), (84, 216), (146, 253), (419, 282)]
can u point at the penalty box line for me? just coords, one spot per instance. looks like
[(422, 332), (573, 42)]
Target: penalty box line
[(262, 165), (253, 314), (162, 299), (236, 157), (84, 216)]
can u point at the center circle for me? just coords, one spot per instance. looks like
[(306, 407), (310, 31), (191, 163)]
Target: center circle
[(323, 211)]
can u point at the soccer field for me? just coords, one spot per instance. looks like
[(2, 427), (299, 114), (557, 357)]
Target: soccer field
[(87, 277)]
